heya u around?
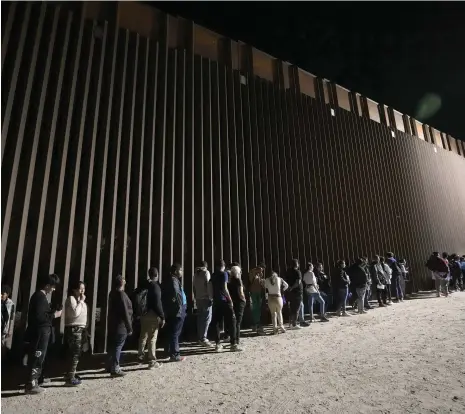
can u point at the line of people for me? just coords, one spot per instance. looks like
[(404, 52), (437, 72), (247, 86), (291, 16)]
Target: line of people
[(219, 299), (448, 272)]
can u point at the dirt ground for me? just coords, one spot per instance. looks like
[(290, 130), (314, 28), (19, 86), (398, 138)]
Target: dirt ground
[(407, 358)]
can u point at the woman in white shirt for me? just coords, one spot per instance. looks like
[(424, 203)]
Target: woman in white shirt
[(313, 292), (274, 285), (75, 329)]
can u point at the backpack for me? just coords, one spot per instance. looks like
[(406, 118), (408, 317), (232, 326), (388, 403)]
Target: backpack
[(139, 302)]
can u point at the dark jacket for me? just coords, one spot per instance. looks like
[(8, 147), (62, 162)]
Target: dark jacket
[(377, 273), (396, 271), (40, 314), (437, 264), (340, 279), (172, 297), (154, 301), (119, 313), (324, 283), (357, 274)]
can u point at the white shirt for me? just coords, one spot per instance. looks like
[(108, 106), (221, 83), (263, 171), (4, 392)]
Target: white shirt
[(75, 312), (276, 288), (311, 282)]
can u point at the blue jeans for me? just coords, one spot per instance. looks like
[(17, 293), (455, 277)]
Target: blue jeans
[(367, 296), (328, 300), (175, 329), (116, 344), (342, 295), (312, 297), (361, 295), (301, 313), (204, 317), (398, 288)]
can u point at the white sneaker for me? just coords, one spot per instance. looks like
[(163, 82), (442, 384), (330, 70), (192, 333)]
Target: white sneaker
[(236, 348), (206, 342), (218, 348), (296, 328), (282, 330)]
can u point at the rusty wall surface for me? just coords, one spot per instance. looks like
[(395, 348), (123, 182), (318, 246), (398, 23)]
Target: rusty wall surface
[(119, 153)]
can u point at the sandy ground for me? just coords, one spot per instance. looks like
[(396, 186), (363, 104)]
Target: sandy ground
[(408, 358)]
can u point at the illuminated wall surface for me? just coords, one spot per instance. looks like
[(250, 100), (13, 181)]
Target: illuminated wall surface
[(123, 150)]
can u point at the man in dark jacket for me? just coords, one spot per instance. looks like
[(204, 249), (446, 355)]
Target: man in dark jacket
[(340, 281), (295, 291), (152, 319), (119, 324), (39, 318), (175, 306), (396, 275), (455, 273), (379, 281), (358, 279), (440, 270)]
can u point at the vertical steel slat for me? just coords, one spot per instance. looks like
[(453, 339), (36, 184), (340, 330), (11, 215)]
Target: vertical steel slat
[(141, 162), (152, 156), (277, 167), (14, 80), (72, 212), (65, 148), (82, 275), (116, 179), (237, 151), (128, 180), (223, 136), (173, 156), (163, 150), (234, 115), (7, 34), (270, 170), (181, 138), (218, 171), (102, 194), (32, 163), (22, 126), (263, 176), (43, 200)]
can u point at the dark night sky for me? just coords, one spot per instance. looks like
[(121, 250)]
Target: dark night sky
[(392, 52)]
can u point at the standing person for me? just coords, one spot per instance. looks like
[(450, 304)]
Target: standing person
[(294, 280), (152, 318), (379, 281), (275, 286), (223, 309), (175, 307), (236, 290), (359, 279), (396, 275), (119, 324), (388, 275), (462, 267), (203, 299), (404, 275), (75, 329), (256, 288), (39, 329), (313, 293), (455, 272), (340, 282), (366, 269), (324, 284), (440, 271), (8, 312)]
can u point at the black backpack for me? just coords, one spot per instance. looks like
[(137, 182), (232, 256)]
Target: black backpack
[(139, 302)]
